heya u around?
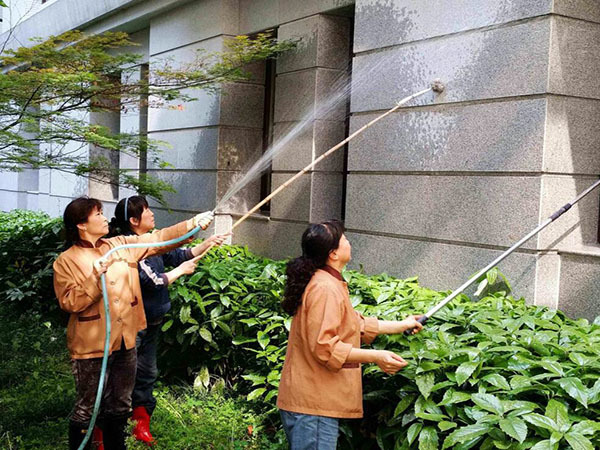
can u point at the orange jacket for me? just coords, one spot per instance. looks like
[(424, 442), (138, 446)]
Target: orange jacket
[(316, 379), (79, 290)]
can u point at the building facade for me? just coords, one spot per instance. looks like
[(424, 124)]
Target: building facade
[(437, 189)]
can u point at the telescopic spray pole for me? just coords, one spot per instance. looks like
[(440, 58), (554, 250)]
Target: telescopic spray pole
[(437, 86), (500, 258)]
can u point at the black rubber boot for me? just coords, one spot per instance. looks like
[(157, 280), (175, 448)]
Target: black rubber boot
[(114, 433), (77, 432)]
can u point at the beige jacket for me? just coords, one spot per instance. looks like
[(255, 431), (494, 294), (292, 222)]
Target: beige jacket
[(79, 290), (316, 379)]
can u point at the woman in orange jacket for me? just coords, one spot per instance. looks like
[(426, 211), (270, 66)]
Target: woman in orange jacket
[(321, 377), (77, 273)]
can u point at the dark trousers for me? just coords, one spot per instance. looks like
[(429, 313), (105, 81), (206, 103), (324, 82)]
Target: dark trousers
[(147, 370), (118, 385)]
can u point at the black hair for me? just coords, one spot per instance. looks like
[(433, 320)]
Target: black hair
[(76, 213), (135, 208), (318, 241)]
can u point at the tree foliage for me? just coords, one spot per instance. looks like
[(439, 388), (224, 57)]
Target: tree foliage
[(47, 91)]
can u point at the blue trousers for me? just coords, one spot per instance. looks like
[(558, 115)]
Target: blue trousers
[(147, 370), (306, 432)]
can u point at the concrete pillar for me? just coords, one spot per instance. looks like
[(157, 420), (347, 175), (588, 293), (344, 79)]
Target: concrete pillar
[(307, 80)]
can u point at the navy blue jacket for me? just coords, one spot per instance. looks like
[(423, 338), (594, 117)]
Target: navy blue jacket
[(154, 282)]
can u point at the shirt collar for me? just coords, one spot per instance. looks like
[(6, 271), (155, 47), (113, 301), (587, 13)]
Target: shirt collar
[(87, 244), (331, 271)]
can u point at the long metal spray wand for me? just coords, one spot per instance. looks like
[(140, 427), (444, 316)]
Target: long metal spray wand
[(436, 86), (500, 258)]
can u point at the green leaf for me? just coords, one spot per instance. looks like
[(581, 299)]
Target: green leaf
[(191, 329), (545, 445), (586, 427), (557, 411), (205, 334), (242, 340), (445, 425), (428, 439), (488, 402), (581, 359), (575, 388), (464, 371), (184, 313), (404, 403), (214, 284), (167, 325), (425, 383), (519, 407), (594, 392), (519, 381), (465, 434), (256, 379), (578, 441), (202, 380), (541, 421), (552, 366), (452, 397), (515, 428), (497, 380), (263, 339), (256, 393), (413, 432), (556, 437)]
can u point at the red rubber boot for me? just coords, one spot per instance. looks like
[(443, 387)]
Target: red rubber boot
[(141, 431), (97, 440)]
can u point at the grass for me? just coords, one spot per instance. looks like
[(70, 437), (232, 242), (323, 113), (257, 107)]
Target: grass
[(36, 385), (37, 392)]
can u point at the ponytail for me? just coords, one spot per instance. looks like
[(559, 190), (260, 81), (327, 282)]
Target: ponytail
[(318, 241), (127, 208)]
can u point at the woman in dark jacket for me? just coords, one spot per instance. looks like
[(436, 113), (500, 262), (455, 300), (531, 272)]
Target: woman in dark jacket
[(134, 217)]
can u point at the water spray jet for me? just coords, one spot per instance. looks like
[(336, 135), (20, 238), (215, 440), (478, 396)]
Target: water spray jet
[(436, 86)]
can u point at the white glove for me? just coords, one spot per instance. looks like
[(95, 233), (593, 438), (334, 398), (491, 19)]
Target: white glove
[(203, 219)]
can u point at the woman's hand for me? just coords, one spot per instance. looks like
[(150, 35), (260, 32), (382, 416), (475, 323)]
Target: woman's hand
[(203, 220), (208, 243), (187, 267), (100, 266), (217, 239), (411, 322), (389, 362)]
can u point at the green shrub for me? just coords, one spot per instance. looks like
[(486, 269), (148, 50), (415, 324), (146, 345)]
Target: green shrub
[(29, 243), (36, 385), (490, 374), (493, 374)]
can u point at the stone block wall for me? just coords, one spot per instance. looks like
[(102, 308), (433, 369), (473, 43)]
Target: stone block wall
[(461, 176), (437, 189)]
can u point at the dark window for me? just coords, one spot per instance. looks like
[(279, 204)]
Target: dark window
[(265, 181)]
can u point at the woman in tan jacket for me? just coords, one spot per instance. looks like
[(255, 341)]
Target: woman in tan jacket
[(77, 285), (321, 377)]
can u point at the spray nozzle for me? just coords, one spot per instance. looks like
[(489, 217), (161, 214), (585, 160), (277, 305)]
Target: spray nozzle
[(437, 86)]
